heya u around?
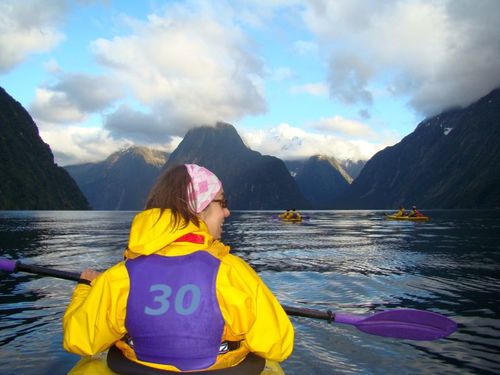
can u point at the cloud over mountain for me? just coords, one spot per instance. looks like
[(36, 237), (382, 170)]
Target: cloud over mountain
[(437, 54), (347, 75)]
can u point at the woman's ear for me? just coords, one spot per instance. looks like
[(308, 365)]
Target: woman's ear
[(202, 214)]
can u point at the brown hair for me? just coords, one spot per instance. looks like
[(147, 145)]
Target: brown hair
[(171, 191)]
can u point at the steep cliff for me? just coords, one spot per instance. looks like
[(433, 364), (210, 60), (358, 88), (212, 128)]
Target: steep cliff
[(321, 179), (251, 181), (122, 181), (29, 178), (450, 161)]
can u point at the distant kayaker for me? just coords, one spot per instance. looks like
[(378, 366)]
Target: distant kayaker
[(295, 215), (401, 212), (179, 301), (414, 212), (286, 215)]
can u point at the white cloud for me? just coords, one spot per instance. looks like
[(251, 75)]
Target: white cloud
[(78, 144), (288, 142), (51, 106), (349, 77), (344, 127), (316, 89), (75, 144), (142, 127), (74, 97), (27, 27), (90, 93), (193, 63), (188, 66), (438, 53)]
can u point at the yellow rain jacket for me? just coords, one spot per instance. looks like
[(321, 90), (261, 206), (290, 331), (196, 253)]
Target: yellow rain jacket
[(95, 317), (401, 212)]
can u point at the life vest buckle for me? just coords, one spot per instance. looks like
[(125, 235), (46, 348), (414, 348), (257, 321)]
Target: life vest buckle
[(228, 346)]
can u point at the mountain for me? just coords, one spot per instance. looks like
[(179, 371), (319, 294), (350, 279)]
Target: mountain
[(251, 181), (450, 161), (29, 178), (122, 181), (294, 166), (321, 179), (353, 168)]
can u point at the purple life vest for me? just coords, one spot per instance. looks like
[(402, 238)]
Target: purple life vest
[(173, 316)]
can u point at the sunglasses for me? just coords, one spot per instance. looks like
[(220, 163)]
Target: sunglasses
[(222, 202)]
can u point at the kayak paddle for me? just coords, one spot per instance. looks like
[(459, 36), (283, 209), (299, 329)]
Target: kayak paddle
[(408, 324), (13, 266)]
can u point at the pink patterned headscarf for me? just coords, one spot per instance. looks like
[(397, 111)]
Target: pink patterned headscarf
[(203, 188)]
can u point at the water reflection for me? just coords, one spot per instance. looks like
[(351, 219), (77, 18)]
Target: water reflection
[(349, 261)]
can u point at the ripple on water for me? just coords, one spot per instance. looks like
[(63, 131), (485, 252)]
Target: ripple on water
[(353, 262)]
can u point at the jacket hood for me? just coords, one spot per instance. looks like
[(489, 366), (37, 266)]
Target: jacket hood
[(152, 230)]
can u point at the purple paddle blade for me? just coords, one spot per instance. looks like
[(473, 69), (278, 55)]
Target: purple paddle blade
[(403, 323), (7, 265)]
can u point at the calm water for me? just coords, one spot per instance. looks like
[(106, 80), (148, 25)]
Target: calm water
[(347, 261)]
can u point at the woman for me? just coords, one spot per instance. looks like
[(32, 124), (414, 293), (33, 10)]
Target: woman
[(401, 212), (415, 213), (179, 301)]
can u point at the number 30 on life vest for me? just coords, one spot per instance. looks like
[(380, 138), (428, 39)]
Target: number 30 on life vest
[(162, 294)]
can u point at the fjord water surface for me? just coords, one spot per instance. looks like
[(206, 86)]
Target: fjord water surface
[(353, 262)]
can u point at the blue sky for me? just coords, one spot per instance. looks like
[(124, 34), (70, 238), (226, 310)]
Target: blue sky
[(296, 78)]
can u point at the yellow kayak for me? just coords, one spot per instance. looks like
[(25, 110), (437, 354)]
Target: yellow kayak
[(290, 219), (296, 220), (96, 365), (410, 218)]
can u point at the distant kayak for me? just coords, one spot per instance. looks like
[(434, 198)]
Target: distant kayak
[(291, 219), (408, 218)]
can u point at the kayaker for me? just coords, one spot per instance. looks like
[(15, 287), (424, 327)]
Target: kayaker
[(179, 301), (401, 212), (286, 215), (295, 215), (415, 213)]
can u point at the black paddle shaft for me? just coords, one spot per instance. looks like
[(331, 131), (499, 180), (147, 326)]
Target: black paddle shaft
[(47, 271), (310, 313)]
